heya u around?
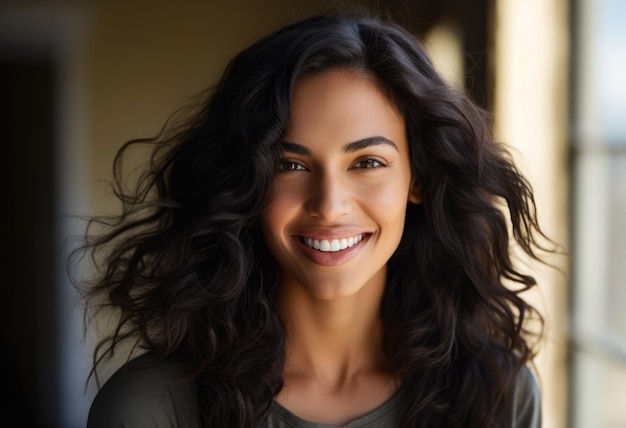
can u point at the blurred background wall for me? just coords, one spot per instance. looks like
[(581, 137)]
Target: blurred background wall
[(79, 78)]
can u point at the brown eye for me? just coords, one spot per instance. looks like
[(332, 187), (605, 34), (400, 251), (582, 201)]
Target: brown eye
[(368, 164), (288, 166)]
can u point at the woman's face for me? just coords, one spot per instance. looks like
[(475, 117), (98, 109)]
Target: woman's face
[(335, 212)]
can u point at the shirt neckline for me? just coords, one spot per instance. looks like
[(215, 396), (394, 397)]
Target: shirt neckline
[(369, 419)]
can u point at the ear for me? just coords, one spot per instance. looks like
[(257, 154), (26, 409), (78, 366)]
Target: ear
[(415, 192)]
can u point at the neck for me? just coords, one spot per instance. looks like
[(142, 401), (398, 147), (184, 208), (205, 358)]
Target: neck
[(332, 341)]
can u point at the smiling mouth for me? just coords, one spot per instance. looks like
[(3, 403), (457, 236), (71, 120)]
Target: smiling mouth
[(331, 245)]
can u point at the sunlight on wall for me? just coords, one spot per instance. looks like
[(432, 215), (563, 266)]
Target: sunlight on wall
[(443, 43), (531, 116)]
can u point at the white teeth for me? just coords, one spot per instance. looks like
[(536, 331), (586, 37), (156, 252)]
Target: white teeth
[(333, 245)]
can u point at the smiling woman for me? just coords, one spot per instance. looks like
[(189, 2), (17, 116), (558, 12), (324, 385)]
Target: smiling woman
[(322, 244)]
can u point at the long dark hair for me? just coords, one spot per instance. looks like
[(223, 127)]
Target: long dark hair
[(187, 271)]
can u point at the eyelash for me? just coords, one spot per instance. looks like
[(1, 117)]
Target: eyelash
[(371, 163), (286, 162), (287, 165)]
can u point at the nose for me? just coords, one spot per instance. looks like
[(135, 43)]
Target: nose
[(329, 198)]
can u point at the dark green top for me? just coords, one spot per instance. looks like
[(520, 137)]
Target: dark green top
[(140, 396)]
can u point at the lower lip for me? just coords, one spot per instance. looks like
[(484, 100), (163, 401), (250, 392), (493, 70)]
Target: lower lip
[(327, 258)]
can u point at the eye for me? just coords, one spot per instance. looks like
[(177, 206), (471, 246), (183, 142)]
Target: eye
[(368, 163), (286, 165)]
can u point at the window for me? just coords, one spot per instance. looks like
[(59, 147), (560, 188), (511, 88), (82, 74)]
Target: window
[(599, 208)]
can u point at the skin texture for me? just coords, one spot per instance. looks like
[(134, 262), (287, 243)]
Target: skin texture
[(344, 172)]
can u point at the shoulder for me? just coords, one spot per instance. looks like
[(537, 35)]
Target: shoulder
[(142, 394), (524, 407)]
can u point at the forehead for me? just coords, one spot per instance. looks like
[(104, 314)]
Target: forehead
[(343, 106)]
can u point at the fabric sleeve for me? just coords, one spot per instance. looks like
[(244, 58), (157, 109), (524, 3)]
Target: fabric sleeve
[(525, 409), (138, 396)]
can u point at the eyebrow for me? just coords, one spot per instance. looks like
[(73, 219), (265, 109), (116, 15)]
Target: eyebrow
[(355, 146)]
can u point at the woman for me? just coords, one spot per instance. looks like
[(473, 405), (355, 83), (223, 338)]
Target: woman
[(324, 243)]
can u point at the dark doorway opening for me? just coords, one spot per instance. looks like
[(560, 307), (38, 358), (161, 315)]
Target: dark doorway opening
[(28, 322)]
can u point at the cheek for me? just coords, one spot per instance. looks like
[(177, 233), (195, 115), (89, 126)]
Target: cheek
[(280, 204), (387, 198)]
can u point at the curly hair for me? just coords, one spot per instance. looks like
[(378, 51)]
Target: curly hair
[(187, 271)]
